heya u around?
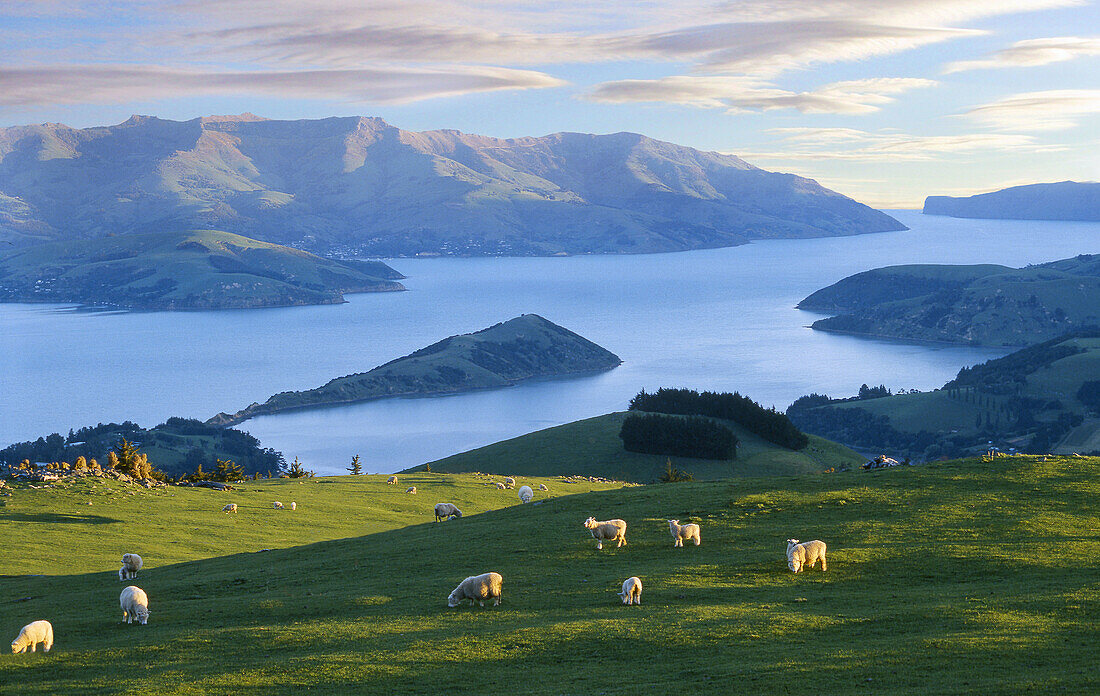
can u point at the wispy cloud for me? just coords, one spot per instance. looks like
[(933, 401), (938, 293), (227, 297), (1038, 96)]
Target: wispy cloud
[(742, 94), (1038, 111), (873, 146), (1032, 52)]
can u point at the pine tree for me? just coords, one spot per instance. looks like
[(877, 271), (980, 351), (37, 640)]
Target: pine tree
[(296, 470), (228, 470), (112, 460), (356, 468)]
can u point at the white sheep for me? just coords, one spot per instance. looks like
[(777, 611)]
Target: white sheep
[(632, 591), (542, 487), (510, 482), (230, 507), (131, 564), (477, 588), (609, 530), (805, 554), (499, 485), (293, 506), (31, 635), (277, 505), (135, 605), (392, 480), (446, 511), (525, 494), (683, 531), (411, 489)]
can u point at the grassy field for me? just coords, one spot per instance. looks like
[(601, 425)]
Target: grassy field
[(957, 578), (592, 447)]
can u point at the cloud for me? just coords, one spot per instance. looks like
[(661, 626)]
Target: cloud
[(874, 146), (1038, 111), (1032, 52), (738, 94), (76, 84)]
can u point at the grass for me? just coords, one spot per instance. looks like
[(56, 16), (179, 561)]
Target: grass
[(962, 577), (592, 447)]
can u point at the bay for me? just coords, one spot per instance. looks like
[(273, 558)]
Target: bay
[(720, 319)]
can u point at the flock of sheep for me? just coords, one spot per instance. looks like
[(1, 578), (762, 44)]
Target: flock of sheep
[(476, 588)]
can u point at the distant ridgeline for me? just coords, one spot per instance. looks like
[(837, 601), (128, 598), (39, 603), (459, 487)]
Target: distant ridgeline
[(197, 269), (526, 347), (1040, 399), (1066, 200), (177, 446), (979, 305)]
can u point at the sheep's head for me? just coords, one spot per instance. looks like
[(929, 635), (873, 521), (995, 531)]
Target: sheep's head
[(795, 565), (453, 599), (458, 513), (142, 615), (625, 597), (791, 542), (590, 523), (15, 646), (126, 558)]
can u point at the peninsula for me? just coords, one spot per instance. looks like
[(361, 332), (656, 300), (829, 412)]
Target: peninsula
[(1065, 200)]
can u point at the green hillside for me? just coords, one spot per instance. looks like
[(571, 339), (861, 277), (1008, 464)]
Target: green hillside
[(525, 347), (981, 305), (592, 447), (963, 577), (197, 269)]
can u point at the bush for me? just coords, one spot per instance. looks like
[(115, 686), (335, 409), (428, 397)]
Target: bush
[(768, 423), (691, 436)]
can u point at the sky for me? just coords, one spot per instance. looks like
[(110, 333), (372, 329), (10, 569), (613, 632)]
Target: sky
[(885, 101)]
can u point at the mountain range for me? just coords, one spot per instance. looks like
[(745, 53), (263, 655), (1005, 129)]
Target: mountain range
[(1065, 200), (360, 186)]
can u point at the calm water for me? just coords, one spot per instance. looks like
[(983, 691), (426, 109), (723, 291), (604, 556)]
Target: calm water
[(718, 319)]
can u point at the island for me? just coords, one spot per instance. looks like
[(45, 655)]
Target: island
[(523, 348), (196, 269), (977, 305), (1065, 200)]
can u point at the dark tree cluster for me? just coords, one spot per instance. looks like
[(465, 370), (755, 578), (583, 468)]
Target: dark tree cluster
[(773, 426), (679, 436), (1089, 394)]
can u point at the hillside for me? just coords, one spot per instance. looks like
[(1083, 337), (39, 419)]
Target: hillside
[(947, 578), (359, 186), (1066, 200), (1029, 400), (525, 347), (978, 305), (592, 447), (197, 269)]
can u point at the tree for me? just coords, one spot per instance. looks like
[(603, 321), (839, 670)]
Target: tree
[(356, 468), (112, 460), (674, 475), (296, 470), (227, 470)]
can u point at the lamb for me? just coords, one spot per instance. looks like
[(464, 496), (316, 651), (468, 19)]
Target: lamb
[(294, 506), (446, 511), (499, 485), (542, 487), (610, 530), (277, 505), (477, 588), (632, 591), (392, 480), (525, 494), (683, 531), (805, 554), (411, 489), (230, 507), (31, 635), (510, 482), (131, 564), (135, 605)]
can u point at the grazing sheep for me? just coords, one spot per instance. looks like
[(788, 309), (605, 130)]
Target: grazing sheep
[(805, 554), (632, 591), (230, 507), (131, 564), (135, 605), (477, 588), (277, 505), (510, 482), (411, 489), (525, 494), (683, 531), (609, 530), (446, 511), (294, 506), (31, 635), (542, 487), (392, 480), (499, 485)]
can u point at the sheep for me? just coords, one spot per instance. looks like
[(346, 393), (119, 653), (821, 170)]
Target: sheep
[(499, 485), (610, 530), (542, 487), (135, 605), (131, 564), (277, 505), (477, 588), (683, 531), (293, 506), (525, 494), (805, 554), (230, 507), (411, 489), (392, 480), (31, 635), (446, 511), (510, 482), (632, 591)]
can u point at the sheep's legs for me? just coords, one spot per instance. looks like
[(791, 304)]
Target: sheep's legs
[(823, 566), (33, 647)]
